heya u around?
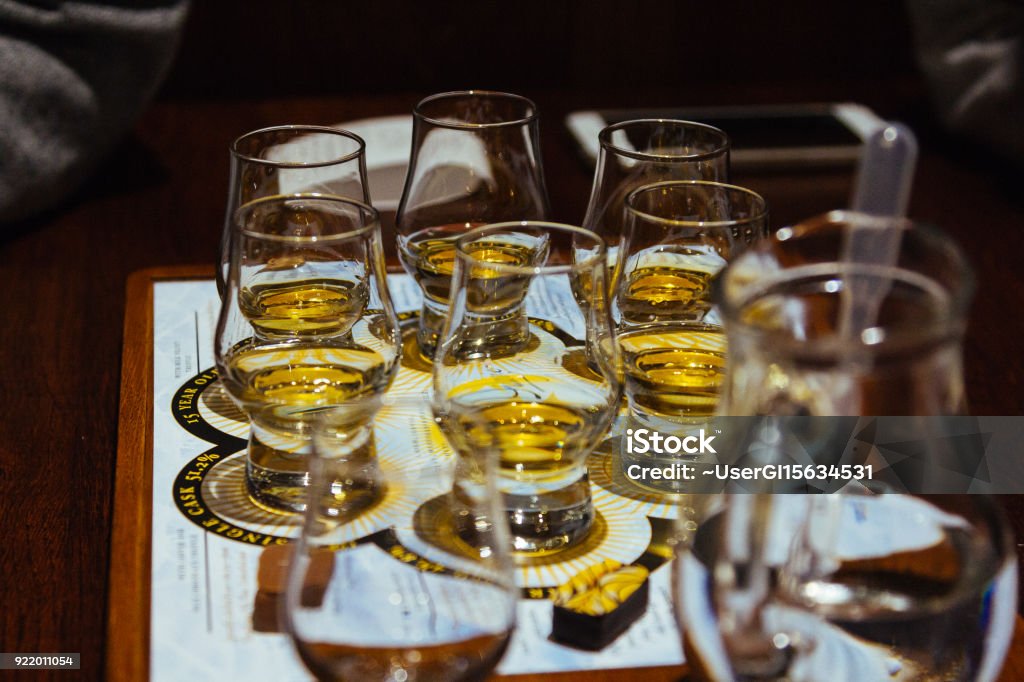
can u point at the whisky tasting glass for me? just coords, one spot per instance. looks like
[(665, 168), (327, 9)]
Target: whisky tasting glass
[(291, 159), (425, 605), (475, 159), (873, 587), (306, 322), (645, 151), (895, 585), (784, 302), (679, 237), (502, 372)]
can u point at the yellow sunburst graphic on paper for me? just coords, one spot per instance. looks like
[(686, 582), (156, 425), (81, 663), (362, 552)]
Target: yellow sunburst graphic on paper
[(616, 534), (667, 336), (406, 425), (411, 383), (405, 436), (219, 411), (223, 491)]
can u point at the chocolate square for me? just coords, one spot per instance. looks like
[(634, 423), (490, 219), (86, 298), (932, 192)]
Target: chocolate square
[(587, 630)]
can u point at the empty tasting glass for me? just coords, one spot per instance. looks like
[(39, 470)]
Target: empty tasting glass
[(305, 322), (894, 585), (679, 237), (475, 159), (645, 151), (875, 587), (503, 371), (784, 304), (357, 611), (292, 159)]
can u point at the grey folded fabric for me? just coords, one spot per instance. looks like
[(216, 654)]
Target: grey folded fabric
[(74, 76)]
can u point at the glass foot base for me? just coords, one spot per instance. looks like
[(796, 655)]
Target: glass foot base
[(550, 522), (276, 476), (276, 491)]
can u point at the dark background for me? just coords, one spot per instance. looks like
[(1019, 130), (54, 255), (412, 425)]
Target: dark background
[(242, 48), (380, 58)]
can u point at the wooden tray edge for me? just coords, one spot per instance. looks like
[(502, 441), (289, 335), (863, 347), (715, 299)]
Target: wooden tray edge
[(128, 580)]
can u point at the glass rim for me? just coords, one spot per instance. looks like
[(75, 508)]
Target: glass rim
[(949, 324), (372, 224), (465, 125), (604, 138), (760, 215), (336, 132), (597, 256)]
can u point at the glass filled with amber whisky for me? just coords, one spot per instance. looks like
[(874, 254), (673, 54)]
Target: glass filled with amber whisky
[(504, 372), (640, 152), (291, 159), (679, 237), (306, 322), (475, 160)]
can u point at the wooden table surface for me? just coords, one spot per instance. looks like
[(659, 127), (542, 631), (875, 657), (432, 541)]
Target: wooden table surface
[(160, 201)]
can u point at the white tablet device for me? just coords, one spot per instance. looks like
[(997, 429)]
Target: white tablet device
[(775, 136)]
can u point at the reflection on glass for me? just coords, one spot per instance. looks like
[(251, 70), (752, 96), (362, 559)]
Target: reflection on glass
[(875, 587), (784, 303)]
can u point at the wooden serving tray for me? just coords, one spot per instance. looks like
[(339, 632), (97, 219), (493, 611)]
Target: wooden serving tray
[(129, 580)]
